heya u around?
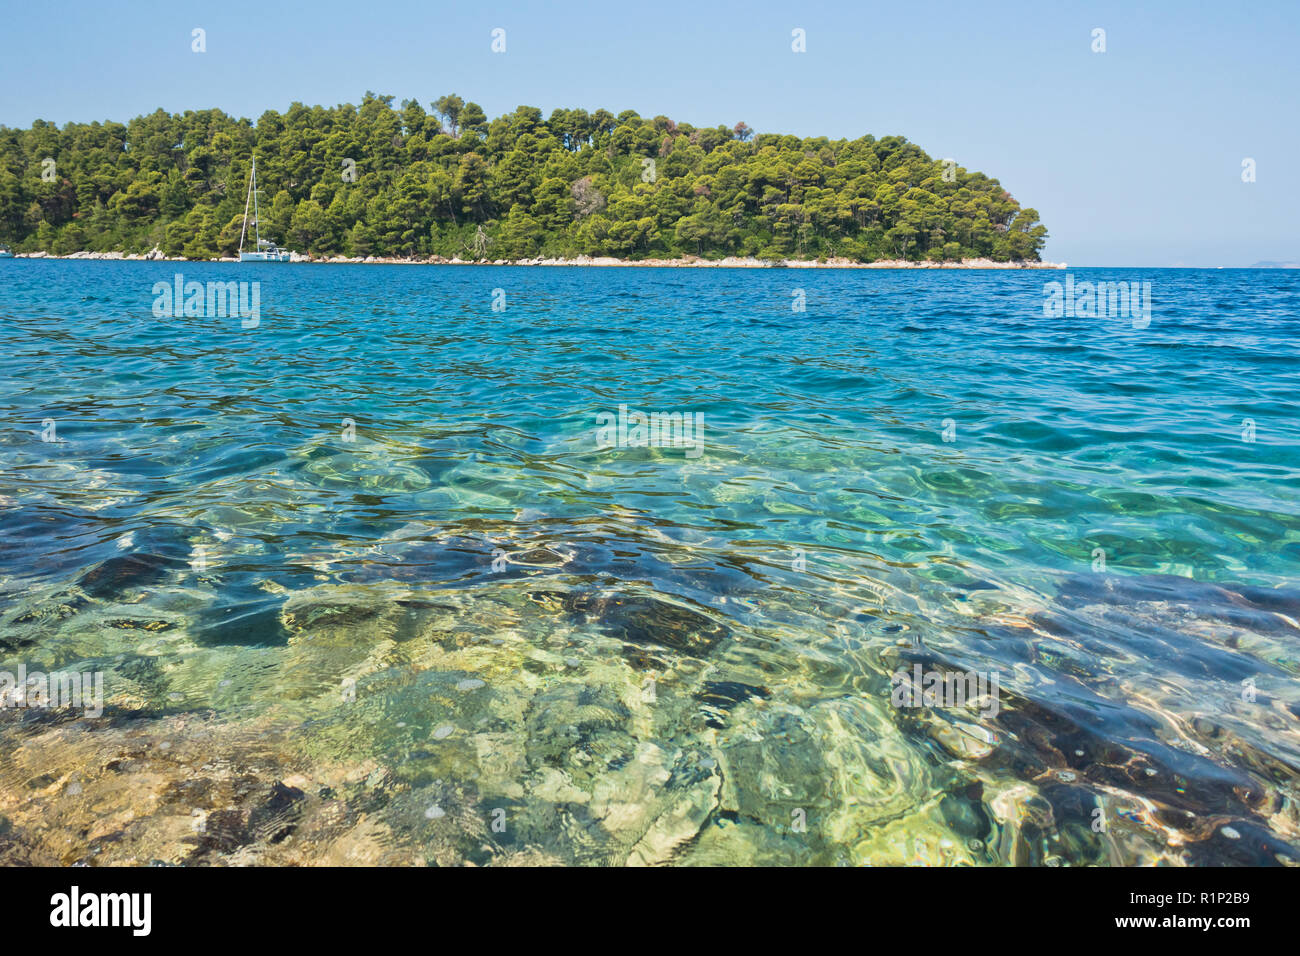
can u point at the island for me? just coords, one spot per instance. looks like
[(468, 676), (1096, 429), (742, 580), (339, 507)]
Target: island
[(381, 183)]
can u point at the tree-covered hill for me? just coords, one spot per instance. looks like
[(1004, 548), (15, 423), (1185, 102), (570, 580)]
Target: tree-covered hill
[(377, 180)]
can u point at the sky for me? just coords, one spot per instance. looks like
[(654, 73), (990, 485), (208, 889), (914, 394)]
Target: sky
[(1132, 156)]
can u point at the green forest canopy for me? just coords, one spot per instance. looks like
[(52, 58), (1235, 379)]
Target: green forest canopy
[(451, 183)]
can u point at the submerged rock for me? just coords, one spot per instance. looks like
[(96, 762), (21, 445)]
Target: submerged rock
[(1107, 747), (127, 574), (255, 622), (44, 542), (1263, 610), (717, 698), (648, 626), (453, 561)]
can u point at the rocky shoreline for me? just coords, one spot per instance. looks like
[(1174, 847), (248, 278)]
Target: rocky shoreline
[(691, 262)]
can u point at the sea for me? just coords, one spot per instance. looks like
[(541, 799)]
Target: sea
[(474, 565)]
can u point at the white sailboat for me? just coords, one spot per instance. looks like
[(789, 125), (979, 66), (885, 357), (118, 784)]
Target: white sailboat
[(264, 250)]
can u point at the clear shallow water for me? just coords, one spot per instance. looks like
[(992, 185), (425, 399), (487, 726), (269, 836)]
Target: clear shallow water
[(468, 633)]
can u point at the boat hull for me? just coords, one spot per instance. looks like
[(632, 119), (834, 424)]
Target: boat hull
[(264, 257)]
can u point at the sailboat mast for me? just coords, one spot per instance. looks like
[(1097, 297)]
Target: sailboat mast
[(243, 230), (257, 226)]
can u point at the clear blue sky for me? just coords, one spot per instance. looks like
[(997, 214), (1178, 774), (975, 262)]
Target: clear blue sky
[(1132, 156)]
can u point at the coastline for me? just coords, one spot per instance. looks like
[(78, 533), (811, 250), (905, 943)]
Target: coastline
[(730, 262)]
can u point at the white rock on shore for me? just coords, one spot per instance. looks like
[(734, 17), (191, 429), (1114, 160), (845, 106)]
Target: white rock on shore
[(691, 262)]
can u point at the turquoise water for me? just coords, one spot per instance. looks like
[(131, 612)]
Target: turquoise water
[(365, 585)]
